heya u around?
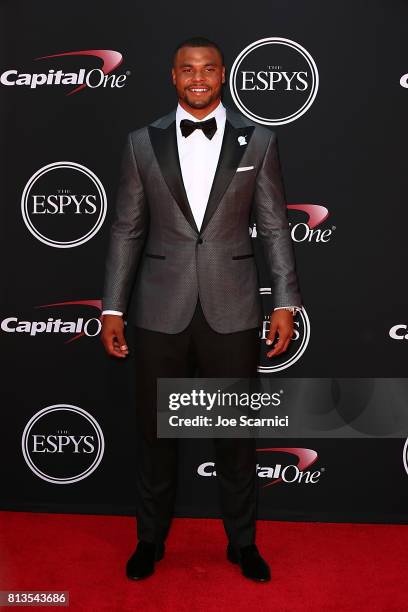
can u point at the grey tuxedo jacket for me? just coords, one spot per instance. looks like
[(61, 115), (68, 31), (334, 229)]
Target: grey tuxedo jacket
[(159, 263)]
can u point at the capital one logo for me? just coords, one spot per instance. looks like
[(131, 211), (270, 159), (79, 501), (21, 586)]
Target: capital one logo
[(93, 78), (274, 81), (63, 204), (307, 231), (404, 81), (75, 327), (399, 332), (297, 345), (62, 444), (284, 470), (310, 231)]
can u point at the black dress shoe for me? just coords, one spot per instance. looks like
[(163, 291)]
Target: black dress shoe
[(141, 563), (251, 563)]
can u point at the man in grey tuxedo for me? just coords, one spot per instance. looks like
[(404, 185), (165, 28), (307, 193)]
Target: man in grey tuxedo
[(181, 267)]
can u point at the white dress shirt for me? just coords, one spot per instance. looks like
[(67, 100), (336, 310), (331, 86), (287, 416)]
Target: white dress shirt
[(199, 158), (198, 161)]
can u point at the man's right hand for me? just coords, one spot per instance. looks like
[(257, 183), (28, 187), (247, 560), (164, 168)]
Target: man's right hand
[(112, 335)]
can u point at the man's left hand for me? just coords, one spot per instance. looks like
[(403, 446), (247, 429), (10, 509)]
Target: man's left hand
[(281, 323)]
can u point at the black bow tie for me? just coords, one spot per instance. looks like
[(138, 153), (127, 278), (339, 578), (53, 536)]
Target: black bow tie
[(209, 127)]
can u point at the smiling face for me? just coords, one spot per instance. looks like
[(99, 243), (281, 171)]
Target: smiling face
[(198, 75)]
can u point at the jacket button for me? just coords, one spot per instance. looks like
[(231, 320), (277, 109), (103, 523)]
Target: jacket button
[(200, 241)]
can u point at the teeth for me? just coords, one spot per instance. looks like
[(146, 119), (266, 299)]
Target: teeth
[(197, 89)]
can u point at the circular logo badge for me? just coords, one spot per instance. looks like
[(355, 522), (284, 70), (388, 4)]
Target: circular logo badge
[(405, 455), (297, 345), (64, 204), (274, 81), (62, 444)]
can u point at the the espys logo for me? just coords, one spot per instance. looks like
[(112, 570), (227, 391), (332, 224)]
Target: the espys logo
[(282, 470), (93, 78), (75, 327), (297, 345), (64, 204), (62, 444), (274, 81), (307, 231), (405, 455)]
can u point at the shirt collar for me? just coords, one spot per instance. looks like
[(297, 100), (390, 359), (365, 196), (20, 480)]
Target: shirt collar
[(219, 113)]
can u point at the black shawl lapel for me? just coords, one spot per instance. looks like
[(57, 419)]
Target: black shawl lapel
[(230, 156), (164, 143)]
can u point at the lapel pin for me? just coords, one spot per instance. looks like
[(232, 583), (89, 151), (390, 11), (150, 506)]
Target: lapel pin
[(242, 140)]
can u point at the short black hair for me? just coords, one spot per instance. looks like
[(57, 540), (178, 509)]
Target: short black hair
[(198, 41)]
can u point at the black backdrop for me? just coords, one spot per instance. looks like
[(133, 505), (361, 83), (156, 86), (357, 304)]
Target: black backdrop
[(346, 153)]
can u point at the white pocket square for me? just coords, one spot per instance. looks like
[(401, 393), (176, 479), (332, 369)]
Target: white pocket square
[(244, 168)]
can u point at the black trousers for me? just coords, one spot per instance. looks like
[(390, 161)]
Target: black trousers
[(197, 348)]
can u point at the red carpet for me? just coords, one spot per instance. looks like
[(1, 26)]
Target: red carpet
[(316, 567)]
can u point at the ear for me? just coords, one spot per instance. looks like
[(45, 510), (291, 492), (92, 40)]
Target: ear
[(223, 74), (173, 76)]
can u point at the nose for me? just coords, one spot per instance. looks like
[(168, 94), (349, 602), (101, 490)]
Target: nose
[(198, 76)]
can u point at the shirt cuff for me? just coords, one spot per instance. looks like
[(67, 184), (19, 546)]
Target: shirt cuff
[(297, 308), (113, 312)]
